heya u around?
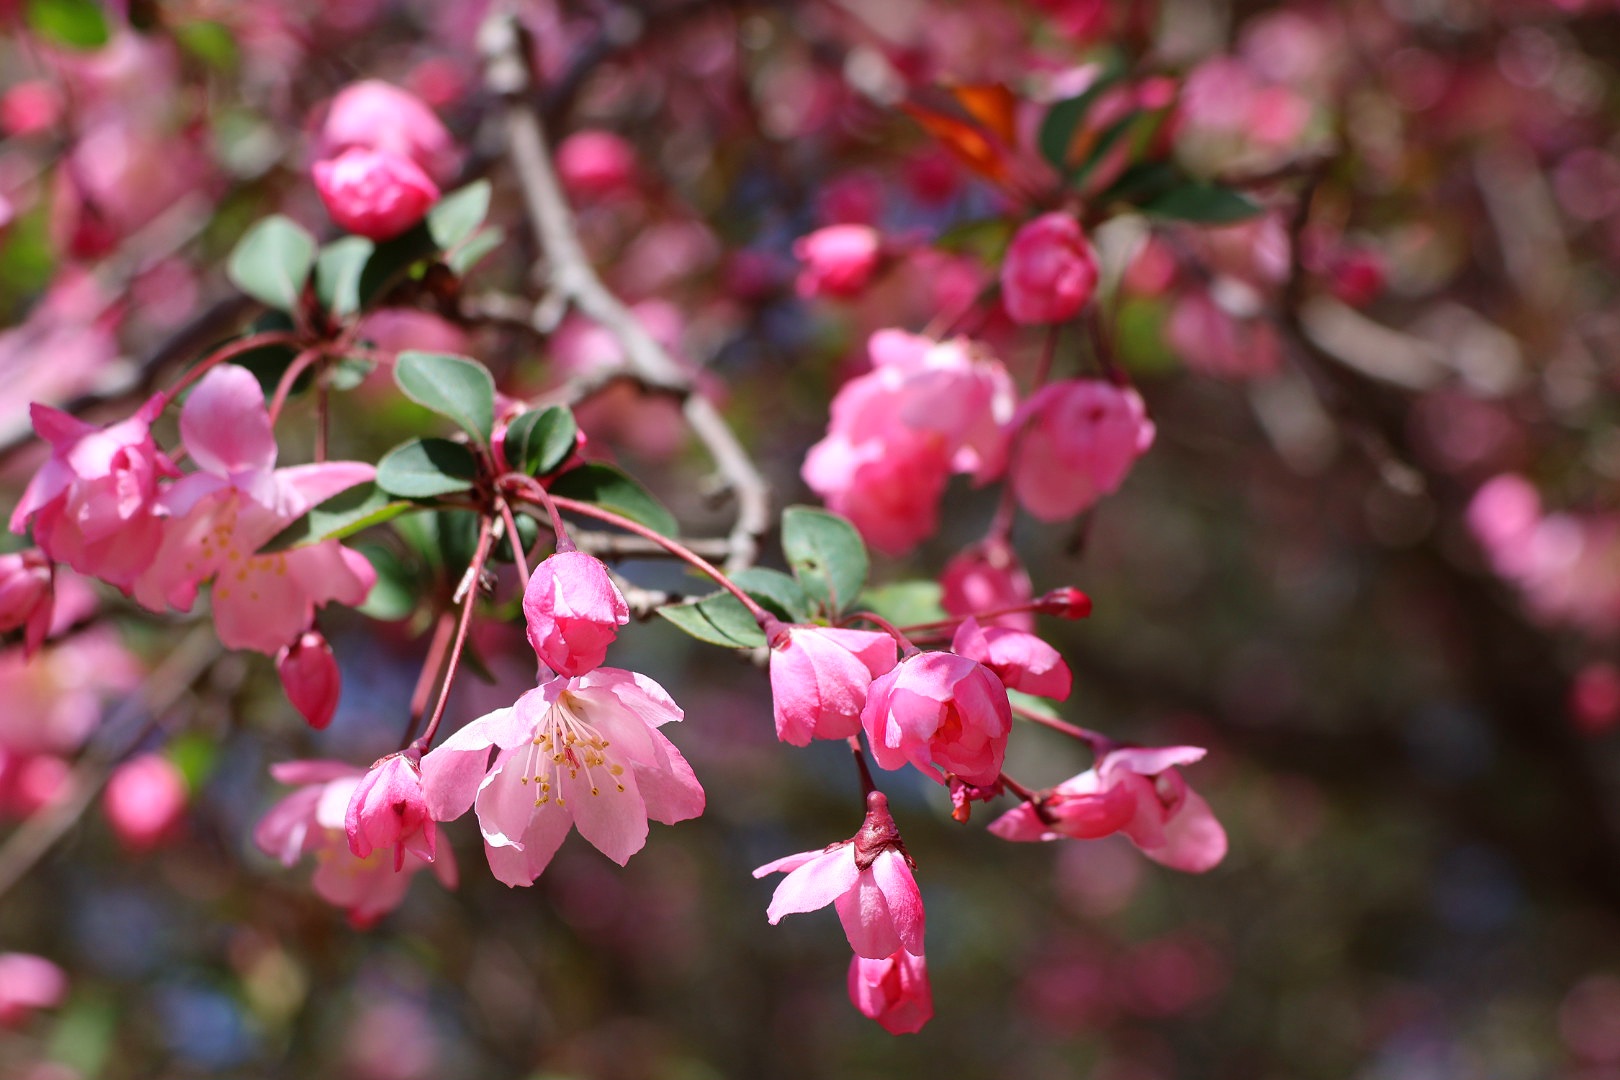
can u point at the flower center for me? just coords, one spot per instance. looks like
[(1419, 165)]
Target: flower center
[(566, 741)]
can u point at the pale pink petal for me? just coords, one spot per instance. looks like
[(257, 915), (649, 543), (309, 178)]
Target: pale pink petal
[(614, 821), (505, 802), (904, 899), (815, 884), (1152, 760), (303, 486), (864, 911), (225, 426), (787, 863), (668, 786)]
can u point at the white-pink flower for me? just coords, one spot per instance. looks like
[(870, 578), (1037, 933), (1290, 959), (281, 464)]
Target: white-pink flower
[(579, 752)]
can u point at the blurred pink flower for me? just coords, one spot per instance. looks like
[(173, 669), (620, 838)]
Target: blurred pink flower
[(144, 800), (595, 164), (988, 577), (1020, 660), (26, 596), (819, 680), (839, 260), (894, 991), (28, 983), (310, 677), (1049, 272), (1076, 442), (941, 712), (374, 193), (374, 115)]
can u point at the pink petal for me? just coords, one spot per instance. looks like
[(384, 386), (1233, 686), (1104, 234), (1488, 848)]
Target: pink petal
[(668, 786), (225, 426), (900, 891), (1194, 840), (614, 821), (815, 884), (864, 911)]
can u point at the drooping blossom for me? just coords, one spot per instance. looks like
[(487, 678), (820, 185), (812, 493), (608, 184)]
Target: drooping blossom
[(28, 983), (988, 577), (894, 991), (819, 679), (1132, 790), (839, 260), (310, 677), (573, 611), (375, 115), (1076, 442), (144, 800), (26, 596), (583, 752), (1050, 271), (1020, 660), (222, 514), (941, 712), (374, 193), (595, 164), (866, 878), (388, 810), (311, 820), (93, 503)]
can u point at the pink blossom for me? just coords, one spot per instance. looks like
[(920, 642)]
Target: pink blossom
[(374, 193), (1077, 441), (375, 115), (26, 596), (866, 878), (28, 983), (595, 164), (894, 991), (1132, 790), (1049, 272), (220, 516), (144, 800), (819, 679), (582, 751), (310, 677), (838, 260), (574, 612), (943, 713), (311, 820), (388, 810), (988, 577), (93, 504), (1020, 660), (29, 108), (889, 489)]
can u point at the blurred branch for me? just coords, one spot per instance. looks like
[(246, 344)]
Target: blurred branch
[(569, 273)]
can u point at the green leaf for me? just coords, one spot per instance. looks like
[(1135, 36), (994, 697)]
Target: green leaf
[(528, 530), (208, 41), (344, 514), (483, 242), (1105, 142), (1063, 119), (393, 261), (540, 440), (272, 261), (906, 603), (826, 554), (338, 269), (612, 489), (1142, 182), (423, 468), (452, 386), (776, 592), (454, 217), (349, 372), (455, 538), (77, 24), (1206, 204), (395, 594), (719, 619)]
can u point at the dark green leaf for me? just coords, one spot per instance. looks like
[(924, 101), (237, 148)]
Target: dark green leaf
[(1142, 182), (423, 468), (1105, 142), (398, 586), (272, 261), (826, 554), (1206, 204), (455, 536), (483, 242), (77, 24), (455, 216), (539, 441), (776, 592), (268, 363), (344, 514), (613, 490), (338, 269), (719, 619), (1063, 120), (393, 262), (451, 386), (528, 532)]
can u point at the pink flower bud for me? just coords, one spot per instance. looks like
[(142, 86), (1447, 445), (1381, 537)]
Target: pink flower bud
[(1356, 276), (574, 612), (893, 991), (374, 193), (309, 675), (838, 260), (28, 983), (1065, 603), (143, 800), (1078, 440), (1050, 271), (595, 164), (1020, 660), (29, 108), (819, 679), (988, 577), (388, 809), (941, 712), (26, 596), (375, 115)]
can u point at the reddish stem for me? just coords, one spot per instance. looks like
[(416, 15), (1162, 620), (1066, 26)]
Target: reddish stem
[(518, 554), (227, 352), (474, 570), (290, 376), (868, 785), (430, 671), (564, 541), (956, 620), (1098, 742), (1019, 789), (889, 628)]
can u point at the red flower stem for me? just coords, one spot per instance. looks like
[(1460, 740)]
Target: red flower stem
[(956, 620), (476, 568), (430, 672), (564, 541), (1094, 739), (1019, 789), (518, 555), (321, 411), (889, 628), (868, 785), (227, 352), (290, 376)]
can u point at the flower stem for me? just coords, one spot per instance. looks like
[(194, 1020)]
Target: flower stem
[(230, 351), (518, 555), (564, 541), (868, 785), (430, 672), (474, 569), (288, 378), (1098, 742), (889, 628)]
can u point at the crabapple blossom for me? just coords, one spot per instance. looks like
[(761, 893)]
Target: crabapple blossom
[(595, 164), (1020, 660), (388, 810), (1077, 441), (581, 751), (310, 677), (945, 714), (28, 983), (866, 878), (144, 799), (375, 115), (1132, 790), (374, 193), (573, 611), (988, 577), (26, 596), (819, 679), (839, 260), (894, 991), (1050, 271)]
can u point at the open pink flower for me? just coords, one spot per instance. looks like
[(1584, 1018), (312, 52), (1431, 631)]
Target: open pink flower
[(582, 751), (26, 596), (93, 504), (819, 679), (988, 577), (1020, 660), (574, 612), (1133, 790), (838, 260), (866, 878), (374, 193), (388, 810), (1077, 441), (375, 115), (221, 515), (943, 713), (894, 991), (312, 821), (1049, 272), (28, 983)]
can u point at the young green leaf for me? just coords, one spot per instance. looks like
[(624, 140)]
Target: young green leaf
[(826, 554), (423, 468), (272, 261), (1063, 119), (481, 243), (451, 386), (614, 490), (540, 440), (455, 216), (719, 619), (338, 268), (77, 24), (344, 514)]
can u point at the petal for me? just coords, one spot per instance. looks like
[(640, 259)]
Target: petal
[(1151, 761), (452, 773), (304, 486), (505, 802), (668, 786), (1194, 840), (894, 877), (519, 867), (225, 426), (788, 862), (815, 884), (614, 821), (868, 924), (1022, 823)]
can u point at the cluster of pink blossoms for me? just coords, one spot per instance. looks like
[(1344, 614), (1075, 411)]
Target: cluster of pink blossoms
[(383, 158)]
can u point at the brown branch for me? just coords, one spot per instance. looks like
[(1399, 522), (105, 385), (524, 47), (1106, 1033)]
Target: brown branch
[(569, 274)]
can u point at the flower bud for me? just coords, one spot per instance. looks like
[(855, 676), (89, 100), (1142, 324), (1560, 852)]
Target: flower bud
[(144, 799), (388, 809), (26, 596), (375, 115), (595, 164), (988, 577), (838, 260), (819, 679), (1050, 271), (943, 713), (28, 982), (375, 194), (1077, 442), (574, 612), (1065, 603), (893, 991), (309, 675)]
